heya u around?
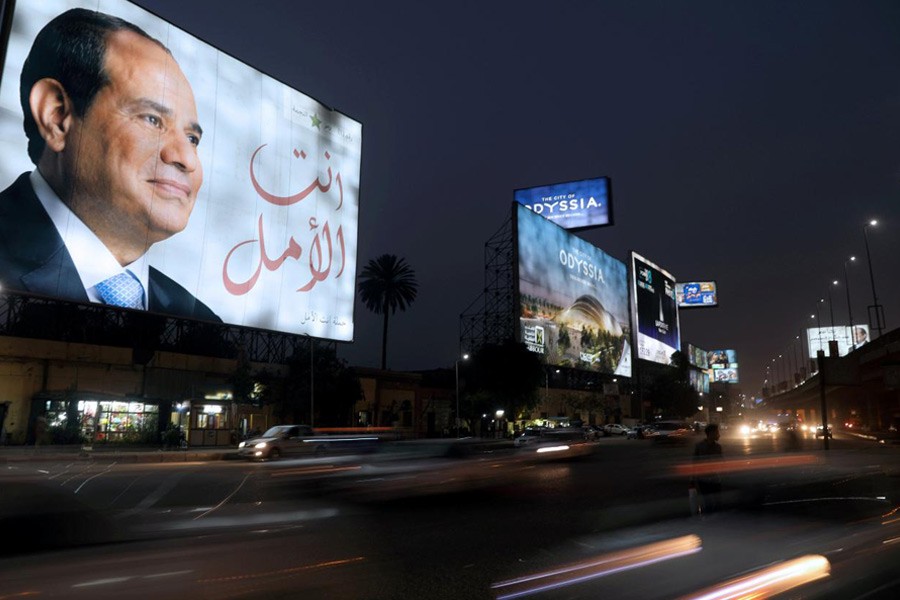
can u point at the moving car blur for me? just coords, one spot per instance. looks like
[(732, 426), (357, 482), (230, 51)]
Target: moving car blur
[(457, 518)]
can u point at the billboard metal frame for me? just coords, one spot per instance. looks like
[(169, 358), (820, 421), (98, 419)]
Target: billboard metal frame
[(145, 333)]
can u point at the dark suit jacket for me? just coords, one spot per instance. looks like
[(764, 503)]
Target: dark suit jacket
[(34, 259)]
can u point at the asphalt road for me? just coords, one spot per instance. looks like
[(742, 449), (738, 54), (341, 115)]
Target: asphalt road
[(231, 529)]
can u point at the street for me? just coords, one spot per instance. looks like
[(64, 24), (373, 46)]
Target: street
[(233, 529)]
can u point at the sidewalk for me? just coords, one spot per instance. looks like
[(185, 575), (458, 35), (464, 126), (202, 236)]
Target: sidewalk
[(11, 454)]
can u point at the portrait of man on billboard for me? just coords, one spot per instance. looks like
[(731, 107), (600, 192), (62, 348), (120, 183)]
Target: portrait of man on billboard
[(113, 131)]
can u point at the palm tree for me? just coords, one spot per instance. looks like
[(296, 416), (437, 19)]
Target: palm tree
[(386, 284)]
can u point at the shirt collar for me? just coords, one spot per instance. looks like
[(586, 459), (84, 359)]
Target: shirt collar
[(93, 260)]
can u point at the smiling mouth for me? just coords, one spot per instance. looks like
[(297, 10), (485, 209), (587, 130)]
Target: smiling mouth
[(169, 188)]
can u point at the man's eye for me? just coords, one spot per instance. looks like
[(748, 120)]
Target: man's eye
[(194, 139), (153, 120)]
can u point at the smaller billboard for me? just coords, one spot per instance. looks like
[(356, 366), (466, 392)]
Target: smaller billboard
[(696, 294), (573, 205), (847, 338), (655, 311), (722, 359), (699, 381), (725, 375), (697, 357), (723, 366)]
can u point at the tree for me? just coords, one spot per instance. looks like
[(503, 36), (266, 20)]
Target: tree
[(506, 376), (671, 391), (387, 284), (336, 390)]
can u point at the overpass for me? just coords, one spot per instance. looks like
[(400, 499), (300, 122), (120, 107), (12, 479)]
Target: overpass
[(862, 389)]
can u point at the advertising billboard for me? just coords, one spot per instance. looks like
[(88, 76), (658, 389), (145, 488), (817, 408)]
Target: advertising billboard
[(725, 375), (573, 205), (699, 380), (656, 312), (573, 298), (847, 338), (179, 180), (723, 366), (696, 294), (697, 357)]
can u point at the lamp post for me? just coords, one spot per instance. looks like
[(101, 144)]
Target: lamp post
[(849, 308), (818, 340), (775, 371), (312, 397), (464, 357), (784, 373), (831, 308), (547, 384), (876, 308)]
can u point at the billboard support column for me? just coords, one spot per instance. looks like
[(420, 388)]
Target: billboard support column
[(820, 361)]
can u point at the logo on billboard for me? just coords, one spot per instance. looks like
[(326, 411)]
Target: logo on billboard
[(572, 205), (534, 338), (696, 294)]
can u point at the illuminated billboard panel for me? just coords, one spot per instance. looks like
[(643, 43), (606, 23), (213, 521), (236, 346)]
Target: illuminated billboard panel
[(699, 381), (696, 294), (200, 187), (572, 205), (723, 366), (697, 357), (656, 313), (725, 375), (847, 338), (573, 298), (722, 359)]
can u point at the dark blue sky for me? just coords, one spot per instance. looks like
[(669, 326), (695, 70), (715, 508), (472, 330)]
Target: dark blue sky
[(747, 142)]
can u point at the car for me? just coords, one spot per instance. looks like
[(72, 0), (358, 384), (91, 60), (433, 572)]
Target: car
[(672, 431), (615, 429), (639, 432), (279, 441), (590, 432), (529, 436), (819, 431)]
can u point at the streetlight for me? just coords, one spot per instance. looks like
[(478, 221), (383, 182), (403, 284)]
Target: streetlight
[(775, 371), (787, 383), (547, 384), (849, 309), (818, 340), (877, 308), (312, 397), (464, 357), (831, 308)]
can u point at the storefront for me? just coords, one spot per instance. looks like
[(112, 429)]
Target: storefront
[(100, 419)]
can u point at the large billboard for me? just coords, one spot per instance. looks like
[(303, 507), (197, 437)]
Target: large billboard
[(723, 365), (179, 181), (573, 298), (847, 338), (656, 312), (696, 294), (573, 205)]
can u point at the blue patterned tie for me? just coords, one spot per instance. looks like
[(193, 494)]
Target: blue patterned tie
[(122, 290)]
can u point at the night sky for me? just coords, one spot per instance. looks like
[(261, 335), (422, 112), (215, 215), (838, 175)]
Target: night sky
[(747, 143)]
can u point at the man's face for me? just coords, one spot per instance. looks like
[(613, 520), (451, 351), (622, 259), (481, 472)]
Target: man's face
[(134, 171)]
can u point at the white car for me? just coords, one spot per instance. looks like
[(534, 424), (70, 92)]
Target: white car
[(279, 441), (615, 429), (529, 436)]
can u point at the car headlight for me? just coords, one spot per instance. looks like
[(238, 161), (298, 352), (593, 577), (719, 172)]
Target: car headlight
[(745, 429), (260, 445), (242, 444)]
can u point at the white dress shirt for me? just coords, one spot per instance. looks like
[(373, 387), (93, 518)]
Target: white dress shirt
[(93, 260)]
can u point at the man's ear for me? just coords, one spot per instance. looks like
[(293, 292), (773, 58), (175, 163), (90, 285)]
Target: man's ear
[(52, 111)]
